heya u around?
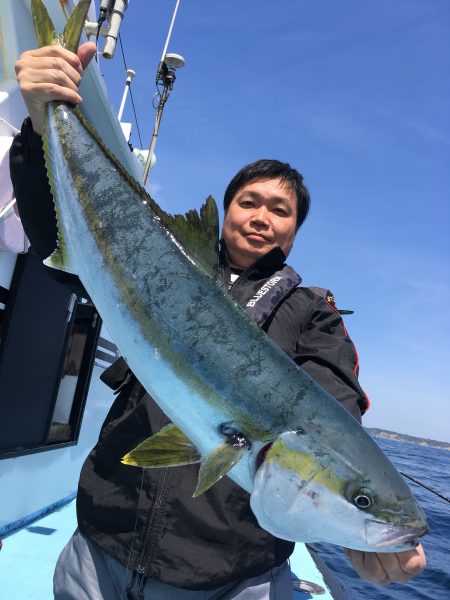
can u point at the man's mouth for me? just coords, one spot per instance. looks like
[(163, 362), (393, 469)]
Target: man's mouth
[(256, 237)]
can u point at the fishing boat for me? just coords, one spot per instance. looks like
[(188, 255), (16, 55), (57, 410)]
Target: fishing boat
[(53, 349)]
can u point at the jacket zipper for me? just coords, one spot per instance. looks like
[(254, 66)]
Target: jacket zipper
[(151, 534)]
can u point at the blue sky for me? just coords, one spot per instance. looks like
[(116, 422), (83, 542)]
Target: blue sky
[(355, 95)]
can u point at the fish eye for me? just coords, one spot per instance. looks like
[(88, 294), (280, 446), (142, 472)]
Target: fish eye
[(363, 499)]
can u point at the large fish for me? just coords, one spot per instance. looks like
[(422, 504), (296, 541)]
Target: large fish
[(240, 406)]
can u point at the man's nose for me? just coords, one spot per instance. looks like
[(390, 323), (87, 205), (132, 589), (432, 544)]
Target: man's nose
[(260, 216)]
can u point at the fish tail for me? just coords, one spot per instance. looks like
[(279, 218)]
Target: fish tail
[(45, 30), (72, 31), (43, 25)]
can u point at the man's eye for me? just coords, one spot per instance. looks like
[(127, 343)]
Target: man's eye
[(246, 203), (280, 211)]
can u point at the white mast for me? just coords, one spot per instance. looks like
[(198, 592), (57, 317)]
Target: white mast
[(165, 76), (130, 75)]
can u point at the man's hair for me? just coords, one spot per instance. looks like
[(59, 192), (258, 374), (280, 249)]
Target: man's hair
[(263, 170)]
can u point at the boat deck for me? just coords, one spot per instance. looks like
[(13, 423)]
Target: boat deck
[(28, 558)]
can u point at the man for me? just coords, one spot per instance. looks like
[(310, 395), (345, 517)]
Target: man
[(143, 530)]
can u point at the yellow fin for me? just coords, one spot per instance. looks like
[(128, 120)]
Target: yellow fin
[(167, 448), (43, 25), (59, 260), (74, 27), (217, 464), (198, 233), (45, 30)]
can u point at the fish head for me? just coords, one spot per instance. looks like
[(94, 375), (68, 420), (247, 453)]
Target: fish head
[(346, 493)]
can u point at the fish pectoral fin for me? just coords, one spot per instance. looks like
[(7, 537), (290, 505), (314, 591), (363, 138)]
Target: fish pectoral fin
[(167, 448), (198, 233), (217, 464)]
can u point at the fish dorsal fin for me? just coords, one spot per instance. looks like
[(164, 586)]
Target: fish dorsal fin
[(217, 464), (167, 448), (199, 233), (43, 25), (45, 30)]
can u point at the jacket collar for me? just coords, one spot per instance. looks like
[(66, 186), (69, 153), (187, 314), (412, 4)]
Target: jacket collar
[(264, 267)]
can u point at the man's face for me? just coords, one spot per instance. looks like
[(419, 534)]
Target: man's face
[(261, 216)]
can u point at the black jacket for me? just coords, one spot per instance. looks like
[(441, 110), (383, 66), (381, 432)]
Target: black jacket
[(147, 519)]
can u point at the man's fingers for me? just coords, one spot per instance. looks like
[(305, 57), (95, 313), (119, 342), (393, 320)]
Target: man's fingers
[(50, 73), (29, 78), (41, 68), (368, 566), (47, 92), (391, 567), (86, 52), (55, 51), (413, 562), (374, 570)]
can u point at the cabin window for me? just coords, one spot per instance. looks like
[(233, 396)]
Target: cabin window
[(48, 340)]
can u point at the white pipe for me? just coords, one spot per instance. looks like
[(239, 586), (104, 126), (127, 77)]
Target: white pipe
[(106, 5), (130, 75), (115, 22), (170, 30)]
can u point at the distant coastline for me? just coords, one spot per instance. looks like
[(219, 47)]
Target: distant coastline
[(409, 439)]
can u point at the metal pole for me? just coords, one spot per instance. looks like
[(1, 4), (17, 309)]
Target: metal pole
[(170, 30), (130, 75), (159, 112), (162, 75)]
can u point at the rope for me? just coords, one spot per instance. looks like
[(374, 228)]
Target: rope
[(425, 487)]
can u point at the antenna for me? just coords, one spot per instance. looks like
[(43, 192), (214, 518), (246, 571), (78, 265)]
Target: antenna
[(111, 11), (130, 75), (165, 77), (118, 10)]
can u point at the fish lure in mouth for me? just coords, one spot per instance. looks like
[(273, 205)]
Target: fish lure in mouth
[(312, 471)]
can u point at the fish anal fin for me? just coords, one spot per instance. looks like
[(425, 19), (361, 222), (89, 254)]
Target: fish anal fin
[(167, 448), (59, 260), (217, 464)]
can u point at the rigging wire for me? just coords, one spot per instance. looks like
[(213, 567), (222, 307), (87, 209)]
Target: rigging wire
[(425, 486), (131, 92)]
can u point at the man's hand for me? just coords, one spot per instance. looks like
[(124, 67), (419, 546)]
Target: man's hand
[(395, 567), (51, 73)]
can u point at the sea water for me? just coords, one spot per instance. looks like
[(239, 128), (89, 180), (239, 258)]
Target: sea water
[(432, 467)]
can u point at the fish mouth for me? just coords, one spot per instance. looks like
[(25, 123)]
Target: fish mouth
[(260, 457), (405, 538)]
